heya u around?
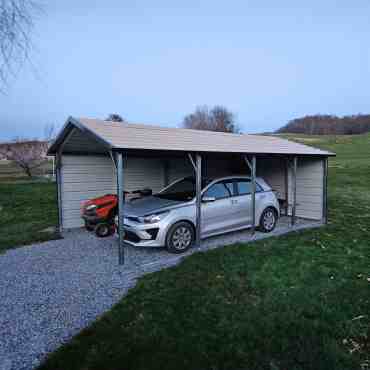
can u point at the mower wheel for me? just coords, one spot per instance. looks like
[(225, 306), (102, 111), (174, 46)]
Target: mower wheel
[(103, 230), (89, 227)]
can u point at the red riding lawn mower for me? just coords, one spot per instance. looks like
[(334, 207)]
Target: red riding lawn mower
[(99, 214)]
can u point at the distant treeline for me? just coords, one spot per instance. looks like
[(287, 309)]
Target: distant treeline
[(328, 125)]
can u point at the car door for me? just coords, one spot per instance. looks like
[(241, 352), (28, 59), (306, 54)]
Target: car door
[(243, 201), (220, 214)]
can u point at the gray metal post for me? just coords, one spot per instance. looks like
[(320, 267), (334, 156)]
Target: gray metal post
[(294, 183), (121, 201), (253, 193), (325, 191), (58, 179), (286, 185), (198, 200)]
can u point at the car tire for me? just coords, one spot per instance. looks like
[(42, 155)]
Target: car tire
[(103, 230), (180, 237), (268, 220)]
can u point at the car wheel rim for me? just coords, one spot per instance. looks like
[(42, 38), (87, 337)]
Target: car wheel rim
[(104, 230), (181, 238), (269, 220)]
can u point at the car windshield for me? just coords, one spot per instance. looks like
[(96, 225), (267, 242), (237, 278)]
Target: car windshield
[(183, 190)]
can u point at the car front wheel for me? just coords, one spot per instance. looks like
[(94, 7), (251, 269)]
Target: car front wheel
[(268, 220), (180, 237)]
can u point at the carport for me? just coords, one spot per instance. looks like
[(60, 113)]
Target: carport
[(94, 157)]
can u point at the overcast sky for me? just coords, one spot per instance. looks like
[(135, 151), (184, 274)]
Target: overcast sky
[(155, 61)]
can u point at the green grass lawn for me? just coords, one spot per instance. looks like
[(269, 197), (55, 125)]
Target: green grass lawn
[(300, 301), (26, 208)]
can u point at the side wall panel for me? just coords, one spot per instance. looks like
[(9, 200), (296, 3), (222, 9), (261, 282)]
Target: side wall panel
[(86, 177), (83, 178), (274, 173), (143, 172), (310, 188), (179, 168)]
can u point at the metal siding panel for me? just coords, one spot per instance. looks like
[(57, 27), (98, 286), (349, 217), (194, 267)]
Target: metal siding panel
[(144, 172), (83, 160), (309, 188), (77, 188), (218, 168), (86, 177), (214, 168), (273, 172), (178, 168)]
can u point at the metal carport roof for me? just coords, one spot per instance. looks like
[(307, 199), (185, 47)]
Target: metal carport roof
[(121, 135)]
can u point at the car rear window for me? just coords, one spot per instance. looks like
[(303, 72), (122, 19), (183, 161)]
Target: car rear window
[(245, 186)]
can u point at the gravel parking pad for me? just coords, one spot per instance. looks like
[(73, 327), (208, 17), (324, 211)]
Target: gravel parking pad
[(50, 291)]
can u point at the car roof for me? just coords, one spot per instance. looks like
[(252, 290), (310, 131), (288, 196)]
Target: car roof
[(210, 180)]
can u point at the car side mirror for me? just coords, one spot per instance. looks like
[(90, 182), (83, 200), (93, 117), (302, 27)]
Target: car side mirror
[(208, 199)]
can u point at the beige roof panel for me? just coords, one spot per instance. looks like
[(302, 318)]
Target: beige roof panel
[(139, 136), (119, 135)]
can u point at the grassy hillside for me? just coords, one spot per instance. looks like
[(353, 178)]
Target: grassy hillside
[(352, 150), (26, 210), (299, 301)]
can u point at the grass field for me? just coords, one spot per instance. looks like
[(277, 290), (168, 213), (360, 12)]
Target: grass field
[(300, 301), (26, 209), (10, 171)]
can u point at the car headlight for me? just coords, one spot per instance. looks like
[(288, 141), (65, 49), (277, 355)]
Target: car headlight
[(154, 218)]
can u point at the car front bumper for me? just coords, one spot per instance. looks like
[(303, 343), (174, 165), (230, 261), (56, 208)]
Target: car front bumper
[(145, 235)]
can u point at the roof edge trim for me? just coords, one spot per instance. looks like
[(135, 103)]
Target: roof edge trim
[(71, 123)]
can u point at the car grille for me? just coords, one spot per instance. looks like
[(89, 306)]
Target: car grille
[(153, 233), (131, 237)]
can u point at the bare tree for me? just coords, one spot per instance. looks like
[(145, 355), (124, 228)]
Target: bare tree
[(16, 24), (218, 118), (28, 155), (50, 132), (114, 117)]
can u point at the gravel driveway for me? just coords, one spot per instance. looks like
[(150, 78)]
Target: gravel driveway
[(50, 291)]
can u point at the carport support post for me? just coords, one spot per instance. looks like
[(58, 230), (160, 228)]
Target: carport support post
[(58, 179), (325, 193), (252, 168), (120, 194), (253, 194), (198, 199), (294, 184)]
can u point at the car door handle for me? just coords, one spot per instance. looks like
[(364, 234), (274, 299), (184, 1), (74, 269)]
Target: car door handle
[(234, 201)]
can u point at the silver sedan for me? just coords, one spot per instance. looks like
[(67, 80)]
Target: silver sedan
[(167, 218)]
